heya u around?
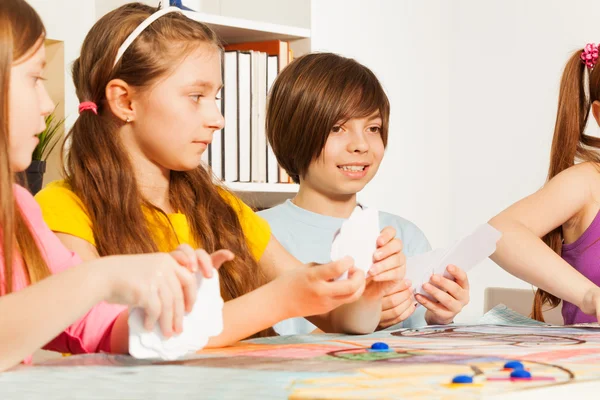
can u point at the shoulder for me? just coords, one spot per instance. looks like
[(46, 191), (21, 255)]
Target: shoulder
[(58, 193), (272, 214)]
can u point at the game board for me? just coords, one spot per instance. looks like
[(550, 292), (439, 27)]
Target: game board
[(420, 363)]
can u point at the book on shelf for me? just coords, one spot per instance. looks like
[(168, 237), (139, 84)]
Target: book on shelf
[(240, 152)]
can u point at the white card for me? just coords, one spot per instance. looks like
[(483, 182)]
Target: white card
[(465, 254), (357, 238), (205, 320)]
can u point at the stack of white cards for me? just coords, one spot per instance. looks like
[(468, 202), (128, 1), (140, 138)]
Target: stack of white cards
[(205, 320), (465, 254), (357, 238)]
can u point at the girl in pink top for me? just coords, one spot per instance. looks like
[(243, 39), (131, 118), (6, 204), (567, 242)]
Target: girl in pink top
[(44, 302)]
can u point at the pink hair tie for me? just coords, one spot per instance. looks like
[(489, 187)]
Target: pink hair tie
[(589, 55), (88, 105)]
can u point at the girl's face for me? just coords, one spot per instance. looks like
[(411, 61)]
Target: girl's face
[(175, 119), (29, 103), (350, 158)]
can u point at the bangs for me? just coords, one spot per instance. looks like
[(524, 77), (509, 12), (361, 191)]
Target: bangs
[(361, 97)]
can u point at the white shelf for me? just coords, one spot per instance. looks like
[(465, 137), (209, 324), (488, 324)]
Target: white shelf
[(262, 187), (236, 30), (263, 195)]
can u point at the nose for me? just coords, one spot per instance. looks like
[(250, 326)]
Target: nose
[(358, 142), (214, 119)]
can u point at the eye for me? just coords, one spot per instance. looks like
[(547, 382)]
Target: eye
[(38, 78), (195, 97), (336, 129), (375, 129)]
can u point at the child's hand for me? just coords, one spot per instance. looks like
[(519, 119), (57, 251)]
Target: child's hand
[(312, 290), (452, 296), (200, 259), (398, 305), (389, 265), (154, 282)]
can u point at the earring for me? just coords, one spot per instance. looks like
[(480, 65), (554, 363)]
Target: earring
[(128, 120)]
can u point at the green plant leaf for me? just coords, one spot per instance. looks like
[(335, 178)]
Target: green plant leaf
[(49, 138)]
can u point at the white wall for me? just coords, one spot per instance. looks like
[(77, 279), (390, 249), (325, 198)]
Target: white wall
[(473, 87)]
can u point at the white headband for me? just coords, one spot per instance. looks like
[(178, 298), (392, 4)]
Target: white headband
[(146, 23)]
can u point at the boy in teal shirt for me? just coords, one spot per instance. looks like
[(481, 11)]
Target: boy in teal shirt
[(327, 122)]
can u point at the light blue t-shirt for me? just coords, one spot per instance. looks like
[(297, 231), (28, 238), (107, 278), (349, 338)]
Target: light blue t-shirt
[(308, 236)]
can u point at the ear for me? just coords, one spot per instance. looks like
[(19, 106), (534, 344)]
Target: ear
[(596, 111), (119, 96)]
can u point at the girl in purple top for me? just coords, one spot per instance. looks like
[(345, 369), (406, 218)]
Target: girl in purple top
[(565, 212)]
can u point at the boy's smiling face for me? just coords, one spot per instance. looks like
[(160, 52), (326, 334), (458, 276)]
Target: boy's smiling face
[(350, 158)]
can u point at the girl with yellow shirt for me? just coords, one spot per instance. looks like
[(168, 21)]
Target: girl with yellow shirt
[(147, 80)]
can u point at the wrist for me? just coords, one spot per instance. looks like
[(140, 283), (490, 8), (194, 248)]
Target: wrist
[(279, 296), (98, 274)]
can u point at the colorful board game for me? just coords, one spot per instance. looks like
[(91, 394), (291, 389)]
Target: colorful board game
[(384, 365)]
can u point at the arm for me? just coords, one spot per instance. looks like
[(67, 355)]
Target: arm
[(297, 292), (521, 251), (359, 317), (45, 319)]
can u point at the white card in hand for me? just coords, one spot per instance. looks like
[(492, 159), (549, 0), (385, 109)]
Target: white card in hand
[(465, 254), (205, 320), (357, 238)]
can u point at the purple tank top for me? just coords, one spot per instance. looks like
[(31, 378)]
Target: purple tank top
[(584, 255)]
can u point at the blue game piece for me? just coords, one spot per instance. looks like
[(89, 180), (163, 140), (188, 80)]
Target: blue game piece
[(380, 346), (514, 365), (520, 374), (462, 379)]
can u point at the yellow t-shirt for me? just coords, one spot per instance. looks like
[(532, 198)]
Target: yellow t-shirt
[(64, 212)]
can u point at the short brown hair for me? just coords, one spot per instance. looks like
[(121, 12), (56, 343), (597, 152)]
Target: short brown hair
[(309, 97)]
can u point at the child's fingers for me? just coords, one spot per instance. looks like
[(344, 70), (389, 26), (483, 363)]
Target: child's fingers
[(443, 298), (447, 285), (204, 263), (166, 315), (389, 248), (220, 257), (351, 287), (392, 274), (178, 302), (399, 286), (185, 256), (459, 275), (333, 270), (152, 307), (393, 300), (394, 261), (396, 311), (434, 307), (387, 234), (408, 311), (189, 287)]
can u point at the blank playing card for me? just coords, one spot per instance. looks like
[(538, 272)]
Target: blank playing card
[(357, 238), (465, 254), (205, 320)]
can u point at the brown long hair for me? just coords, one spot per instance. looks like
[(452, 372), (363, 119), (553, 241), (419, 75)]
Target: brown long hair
[(98, 168), (578, 90), (21, 33), (309, 97)]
